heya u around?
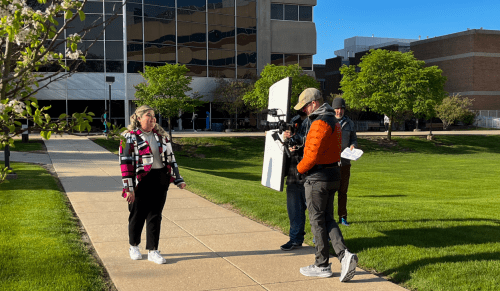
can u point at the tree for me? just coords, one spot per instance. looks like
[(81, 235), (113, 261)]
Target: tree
[(454, 108), (230, 95), (29, 39), (259, 96), (391, 82), (165, 91)]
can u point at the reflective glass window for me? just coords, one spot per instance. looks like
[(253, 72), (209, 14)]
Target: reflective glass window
[(93, 7), (198, 5), (197, 71), (114, 30), (246, 73), (220, 19), (291, 12), (245, 22), (305, 13), (75, 26), (51, 68), (159, 53), (191, 16), (291, 60), (113, 7), (192, 56), (94, 24), (151, 64), (114, 66), (114, 50), (221, 58), (134, 51), (134, 9), (136, 1), (191, 34), (277, 11), (306, 62), (221, 37), (159, 12), (248, 60), (88, 66), (277, 59), (134, 28), (168, 3), (60, 23), (134, 67), (221, 6), (221, 72), (247, 39), (58, 46), (94, 50), (246, 8), (159, 30)]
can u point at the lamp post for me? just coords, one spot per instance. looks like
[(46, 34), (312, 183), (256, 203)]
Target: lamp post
[(110, 80)]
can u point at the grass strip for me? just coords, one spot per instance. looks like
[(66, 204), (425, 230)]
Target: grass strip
[(41, 246), (423, 213), (30, 146)]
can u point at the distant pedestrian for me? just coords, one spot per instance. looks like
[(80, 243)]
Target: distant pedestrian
[(148, 167), (386, 123), (104, 120), (321, 167)]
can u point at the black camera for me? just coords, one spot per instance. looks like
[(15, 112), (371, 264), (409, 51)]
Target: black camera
[(282, 126)]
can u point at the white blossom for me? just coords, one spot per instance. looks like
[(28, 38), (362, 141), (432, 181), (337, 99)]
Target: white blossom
[(73, 55), (2, 108)]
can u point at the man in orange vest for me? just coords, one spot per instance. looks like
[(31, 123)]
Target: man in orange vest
[(321, 166)]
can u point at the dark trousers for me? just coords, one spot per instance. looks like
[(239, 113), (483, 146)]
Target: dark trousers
[(319, 197), (150, 198), (296, 207), (345, 174)]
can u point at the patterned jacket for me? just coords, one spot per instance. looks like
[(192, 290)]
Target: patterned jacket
[(136, 159)]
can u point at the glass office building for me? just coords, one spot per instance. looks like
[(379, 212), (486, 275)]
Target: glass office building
[(213, 38)]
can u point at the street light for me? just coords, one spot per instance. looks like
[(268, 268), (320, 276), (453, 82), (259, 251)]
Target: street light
[(110, 80)]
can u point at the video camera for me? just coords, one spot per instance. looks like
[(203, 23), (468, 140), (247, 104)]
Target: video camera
[(282, 126)]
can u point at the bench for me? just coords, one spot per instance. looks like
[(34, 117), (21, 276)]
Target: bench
[(435, 125), (375, 126)]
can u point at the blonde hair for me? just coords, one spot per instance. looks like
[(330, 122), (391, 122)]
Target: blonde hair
[(135, 123)]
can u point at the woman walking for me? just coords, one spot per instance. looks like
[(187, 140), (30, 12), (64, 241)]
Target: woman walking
[(148, 167)]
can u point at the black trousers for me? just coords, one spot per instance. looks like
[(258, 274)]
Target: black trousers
[(345, 175), (150, 197)]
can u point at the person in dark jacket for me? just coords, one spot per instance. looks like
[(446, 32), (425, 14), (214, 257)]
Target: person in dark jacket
[(295, 193), (349, 140), (320, 165)]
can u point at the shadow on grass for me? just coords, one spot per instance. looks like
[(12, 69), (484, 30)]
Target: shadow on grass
[(431, 237), (403, 273), (452, 145)]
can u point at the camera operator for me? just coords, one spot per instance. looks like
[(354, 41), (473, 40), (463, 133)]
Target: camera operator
[(295, 193), (320, 165)]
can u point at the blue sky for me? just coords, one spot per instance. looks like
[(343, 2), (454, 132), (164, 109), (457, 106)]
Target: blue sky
[(338, 20)]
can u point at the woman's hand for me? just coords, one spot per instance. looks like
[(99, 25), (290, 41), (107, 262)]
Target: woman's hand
[(130, 197)]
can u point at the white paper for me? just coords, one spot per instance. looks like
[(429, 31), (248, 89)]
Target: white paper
[(351, 155)]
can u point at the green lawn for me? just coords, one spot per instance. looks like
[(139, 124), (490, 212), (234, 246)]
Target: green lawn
[(423, 213), (32, 145), (40, 243)]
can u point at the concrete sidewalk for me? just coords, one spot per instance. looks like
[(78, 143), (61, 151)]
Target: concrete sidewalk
[(207, 247)]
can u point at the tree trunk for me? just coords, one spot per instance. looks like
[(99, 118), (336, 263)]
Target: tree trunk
[(170, 128), (236, 119), (389, 130)]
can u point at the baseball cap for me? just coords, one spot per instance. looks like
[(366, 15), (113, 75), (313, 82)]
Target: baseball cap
[(308, 95)]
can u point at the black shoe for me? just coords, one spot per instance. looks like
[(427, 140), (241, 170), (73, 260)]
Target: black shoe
[(290, 246)]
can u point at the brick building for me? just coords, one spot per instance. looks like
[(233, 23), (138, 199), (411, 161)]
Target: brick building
[(470, 60)]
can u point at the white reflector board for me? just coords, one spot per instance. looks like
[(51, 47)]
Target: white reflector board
[(273, 169)]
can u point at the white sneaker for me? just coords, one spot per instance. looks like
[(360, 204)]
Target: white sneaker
[(134, 252), (155, 256), (348, 266), (315, 271)]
